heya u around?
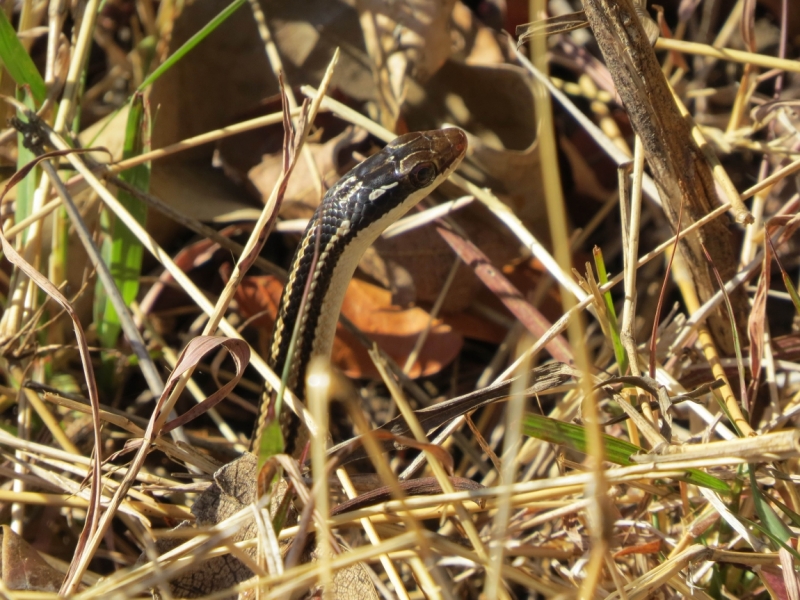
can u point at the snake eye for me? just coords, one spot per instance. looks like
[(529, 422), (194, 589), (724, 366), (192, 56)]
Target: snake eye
[(422, 174)]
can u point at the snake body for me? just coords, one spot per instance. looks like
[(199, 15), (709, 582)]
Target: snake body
[(353, 213)]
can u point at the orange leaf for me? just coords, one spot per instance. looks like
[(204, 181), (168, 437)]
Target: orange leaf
[(394, 329), (648, 548), (260, 295), (369, 308)]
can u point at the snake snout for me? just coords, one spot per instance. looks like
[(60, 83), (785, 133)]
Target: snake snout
[(457, 139)]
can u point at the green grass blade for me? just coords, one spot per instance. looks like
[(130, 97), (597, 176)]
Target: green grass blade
[(787, 281), (737, 345), (27, 187), (121, 250), (272, 442), (776, 540), (191, 43), (574, 436), (769, 518), (619, 350), (17, 61), (617, 451), (793, 516)]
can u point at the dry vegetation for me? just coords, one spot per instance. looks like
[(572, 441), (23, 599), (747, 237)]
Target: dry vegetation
[(646, 445)]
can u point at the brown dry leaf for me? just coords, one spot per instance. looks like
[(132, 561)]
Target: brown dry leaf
[(492, 278), (191, 257), (198, 191), (228, 71), (503, 156), (581, 153), (258, 297), (648, 548), (420, 258), (233, 489), (191, 187), (302, 195), (403, 38), (196, 350), (474, 42), (772, 578), (508, 161), (108, 133), (23, 569), (476, 327), (504, 153), (395, 330), (369, 308)]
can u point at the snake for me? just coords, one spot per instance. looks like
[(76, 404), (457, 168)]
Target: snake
[(351, 216)]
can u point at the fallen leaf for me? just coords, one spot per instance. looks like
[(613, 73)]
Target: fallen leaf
[(474, 42), (258, 297), (369, 308), (528, 315), (402, 39), (772, 578), (421, 257), (395, 330), (476, 327), (23, 568), (332, 157), (647, 548)]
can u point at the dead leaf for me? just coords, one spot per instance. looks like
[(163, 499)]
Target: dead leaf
[(190, 257), (395, 330), (196, 350), (233, 489), (332, 157), (230, 62), (475, 327), (772, 578), (108, 133), (230, 72), (199, 191), (474, 42), (648, 548), (422, 258), (582, 157), (23, 568), (529, 316), (369, 307), (403, 38)]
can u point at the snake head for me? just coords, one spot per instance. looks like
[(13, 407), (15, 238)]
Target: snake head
[(415, 161), (423, 159), (405, 171)]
